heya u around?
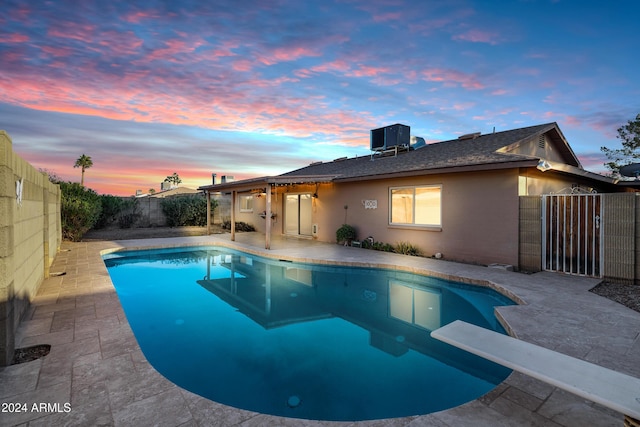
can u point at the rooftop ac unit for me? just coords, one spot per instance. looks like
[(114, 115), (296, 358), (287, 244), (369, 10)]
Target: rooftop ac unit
[(390, 136)]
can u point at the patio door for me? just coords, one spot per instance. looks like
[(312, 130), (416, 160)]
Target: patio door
[(298, 214)]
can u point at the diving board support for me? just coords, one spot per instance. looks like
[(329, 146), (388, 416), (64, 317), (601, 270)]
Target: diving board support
[(607, 387)]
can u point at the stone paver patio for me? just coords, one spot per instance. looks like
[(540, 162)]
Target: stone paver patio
[(97, 375)]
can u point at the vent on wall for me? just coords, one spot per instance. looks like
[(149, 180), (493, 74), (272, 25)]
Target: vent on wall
[(542, 142)]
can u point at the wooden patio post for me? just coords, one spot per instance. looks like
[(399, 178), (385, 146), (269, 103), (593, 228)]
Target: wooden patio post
[(267, 233), (208, 212), (233, 215)]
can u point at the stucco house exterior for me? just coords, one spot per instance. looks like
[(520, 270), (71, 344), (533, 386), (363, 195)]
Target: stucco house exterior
[(459, 198)]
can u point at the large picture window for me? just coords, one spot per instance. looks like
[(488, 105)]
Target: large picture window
[(420, 205)]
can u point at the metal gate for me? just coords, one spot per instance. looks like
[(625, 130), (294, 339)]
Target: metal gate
[(572, 234)]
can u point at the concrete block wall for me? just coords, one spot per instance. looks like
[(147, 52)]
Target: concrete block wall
[(530, 235), (30, 236), (620, 225), (151, 214)]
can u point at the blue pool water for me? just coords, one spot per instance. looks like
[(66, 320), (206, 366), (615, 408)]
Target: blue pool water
[(303, 341)]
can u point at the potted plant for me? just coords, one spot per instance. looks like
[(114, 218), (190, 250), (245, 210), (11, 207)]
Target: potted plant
[(346, 234)]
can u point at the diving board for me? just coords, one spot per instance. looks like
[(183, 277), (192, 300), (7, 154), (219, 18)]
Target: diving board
[(607, 387)]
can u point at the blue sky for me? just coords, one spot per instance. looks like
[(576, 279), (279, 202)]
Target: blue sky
[(251, 88)]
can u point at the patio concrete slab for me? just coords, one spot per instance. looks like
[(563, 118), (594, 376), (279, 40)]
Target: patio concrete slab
[(96, 365)]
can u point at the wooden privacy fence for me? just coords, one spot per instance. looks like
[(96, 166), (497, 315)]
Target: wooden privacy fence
[(595, 235)]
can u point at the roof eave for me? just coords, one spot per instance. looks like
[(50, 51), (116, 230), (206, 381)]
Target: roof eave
[(448, 169), (572, 170), (248, 184)]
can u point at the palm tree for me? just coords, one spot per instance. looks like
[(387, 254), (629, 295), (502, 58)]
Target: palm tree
[(83, 162), (174, 180)]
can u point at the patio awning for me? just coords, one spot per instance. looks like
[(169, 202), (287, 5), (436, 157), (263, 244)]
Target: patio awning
[(266, 183)]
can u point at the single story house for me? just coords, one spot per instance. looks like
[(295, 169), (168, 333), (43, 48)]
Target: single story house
[(457, 198)]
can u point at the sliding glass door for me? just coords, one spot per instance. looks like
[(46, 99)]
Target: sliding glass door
[(298, 209)]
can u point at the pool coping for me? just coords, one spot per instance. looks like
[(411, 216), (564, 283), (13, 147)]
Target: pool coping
[(95, 361)]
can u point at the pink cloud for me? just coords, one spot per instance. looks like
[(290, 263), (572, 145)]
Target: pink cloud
[(73, 30), (56, 51), (174, 48), (119, 43), (138, 16), (242, 65), (369, 71), (388, 16), (451, 77), (477, 36), (14, 38), (286, 54), (463, 106)]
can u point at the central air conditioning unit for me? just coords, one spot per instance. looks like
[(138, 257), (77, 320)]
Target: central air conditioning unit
[(390, 136)]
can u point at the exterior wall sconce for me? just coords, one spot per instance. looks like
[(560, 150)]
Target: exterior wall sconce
[(543, 166), (263, 214)]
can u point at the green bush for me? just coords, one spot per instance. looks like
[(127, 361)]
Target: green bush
[(240, 226), (111, 208), (384, 247), (407, 248), (129, 213), (186, 210), (80, 210), (346, 233)]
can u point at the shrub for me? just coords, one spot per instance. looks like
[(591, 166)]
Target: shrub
[(80, 210), (111, 208), (186, 210), (346, 233), (240, 226), (407, 248), (384, 247), (129, 213)]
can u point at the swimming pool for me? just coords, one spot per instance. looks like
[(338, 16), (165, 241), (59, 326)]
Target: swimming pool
[(303, 341)]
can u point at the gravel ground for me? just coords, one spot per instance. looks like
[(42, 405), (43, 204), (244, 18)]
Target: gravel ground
[(627, 295)]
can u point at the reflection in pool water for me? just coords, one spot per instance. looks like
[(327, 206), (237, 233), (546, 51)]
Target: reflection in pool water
[(303, 341)]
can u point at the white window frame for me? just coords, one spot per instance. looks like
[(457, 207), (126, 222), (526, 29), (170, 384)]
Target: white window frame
[(241, 203), (413, 207)]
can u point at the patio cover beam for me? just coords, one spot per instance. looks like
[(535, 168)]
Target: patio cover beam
[(266, 182)]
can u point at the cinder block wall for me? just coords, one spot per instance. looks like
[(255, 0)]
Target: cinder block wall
[(530, 235), (620, 225), (30, 236), (151, 214)]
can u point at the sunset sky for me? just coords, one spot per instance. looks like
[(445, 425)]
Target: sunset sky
[(252, 88)]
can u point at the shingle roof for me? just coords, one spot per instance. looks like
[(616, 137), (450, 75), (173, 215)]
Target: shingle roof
[(456, 153), (491, 151)]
